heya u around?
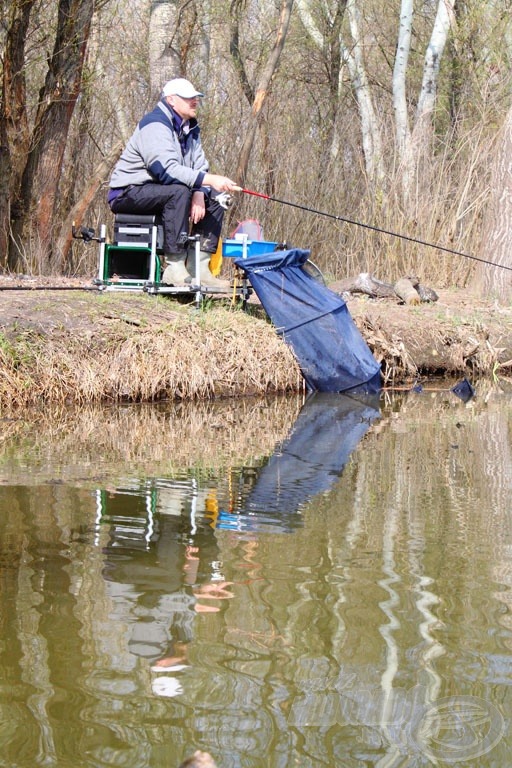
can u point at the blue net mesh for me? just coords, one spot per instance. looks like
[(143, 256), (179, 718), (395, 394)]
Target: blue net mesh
[(314, 321)]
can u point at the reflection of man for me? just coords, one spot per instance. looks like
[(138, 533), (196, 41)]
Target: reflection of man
[(216, 590), (199, 760), (178, 649), (176, 657), (157, 595)]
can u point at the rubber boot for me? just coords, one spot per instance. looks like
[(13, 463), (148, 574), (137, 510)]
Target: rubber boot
[(206, 279), (176, 272)]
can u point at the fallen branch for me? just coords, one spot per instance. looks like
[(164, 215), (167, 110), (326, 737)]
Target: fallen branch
[(408, 289)]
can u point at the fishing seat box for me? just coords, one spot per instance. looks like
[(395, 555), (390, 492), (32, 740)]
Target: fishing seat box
[(128, 258)]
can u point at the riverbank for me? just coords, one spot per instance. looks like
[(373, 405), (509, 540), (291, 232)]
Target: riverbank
[(63, 342), (458, 335)]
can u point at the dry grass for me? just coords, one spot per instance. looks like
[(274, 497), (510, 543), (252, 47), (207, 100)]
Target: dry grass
[(445, 206), (87, 348), (456, 336), (154, 353)]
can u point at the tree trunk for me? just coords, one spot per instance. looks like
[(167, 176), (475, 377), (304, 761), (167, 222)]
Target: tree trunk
[(164, 53), (164, 56), (330, 44), (422, 133), (175, 31), (497, 227), (370, 129), (433, 56), (5, 198), (414, 146), (204, 20), (14, 132), (41, 176), (402, 127), (77, 212), (354, 58), (262, 90)]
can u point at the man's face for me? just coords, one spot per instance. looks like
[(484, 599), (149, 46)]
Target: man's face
[(186, 108)]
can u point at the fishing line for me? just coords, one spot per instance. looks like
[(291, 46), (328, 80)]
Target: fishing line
[(373, 228)]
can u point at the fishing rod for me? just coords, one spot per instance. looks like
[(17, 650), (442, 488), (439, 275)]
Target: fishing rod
[(371, 227)]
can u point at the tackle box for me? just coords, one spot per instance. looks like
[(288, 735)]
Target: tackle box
[(245, 248)]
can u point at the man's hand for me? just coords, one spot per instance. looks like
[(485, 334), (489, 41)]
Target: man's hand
[(220, 183), (217, 590), (197, 207)]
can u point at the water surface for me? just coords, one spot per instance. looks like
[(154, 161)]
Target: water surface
[(277, 582)]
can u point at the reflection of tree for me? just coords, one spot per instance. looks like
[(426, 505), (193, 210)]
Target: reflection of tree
[(58, 607), (22, 644), (157, 441)]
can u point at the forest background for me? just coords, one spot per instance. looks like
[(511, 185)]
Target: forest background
[(397, 115)]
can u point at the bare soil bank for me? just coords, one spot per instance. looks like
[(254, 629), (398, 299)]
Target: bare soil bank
[(62, 341), (458, 335)]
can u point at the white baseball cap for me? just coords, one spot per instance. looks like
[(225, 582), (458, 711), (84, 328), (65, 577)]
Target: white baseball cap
[(180, 87)]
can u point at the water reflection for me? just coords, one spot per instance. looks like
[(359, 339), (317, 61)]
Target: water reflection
[(162, 561), (275, 582), (310, 460), (159, 573)]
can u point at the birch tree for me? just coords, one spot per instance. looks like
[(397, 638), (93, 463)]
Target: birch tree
[(411, 142), (433, 56), (402, 125), (416, 143), (370, 128), (423, 123), (351, 56)]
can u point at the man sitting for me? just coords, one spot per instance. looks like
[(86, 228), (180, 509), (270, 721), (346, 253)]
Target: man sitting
[(163, 170)]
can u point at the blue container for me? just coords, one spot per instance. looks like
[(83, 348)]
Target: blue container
[(232, 249)]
